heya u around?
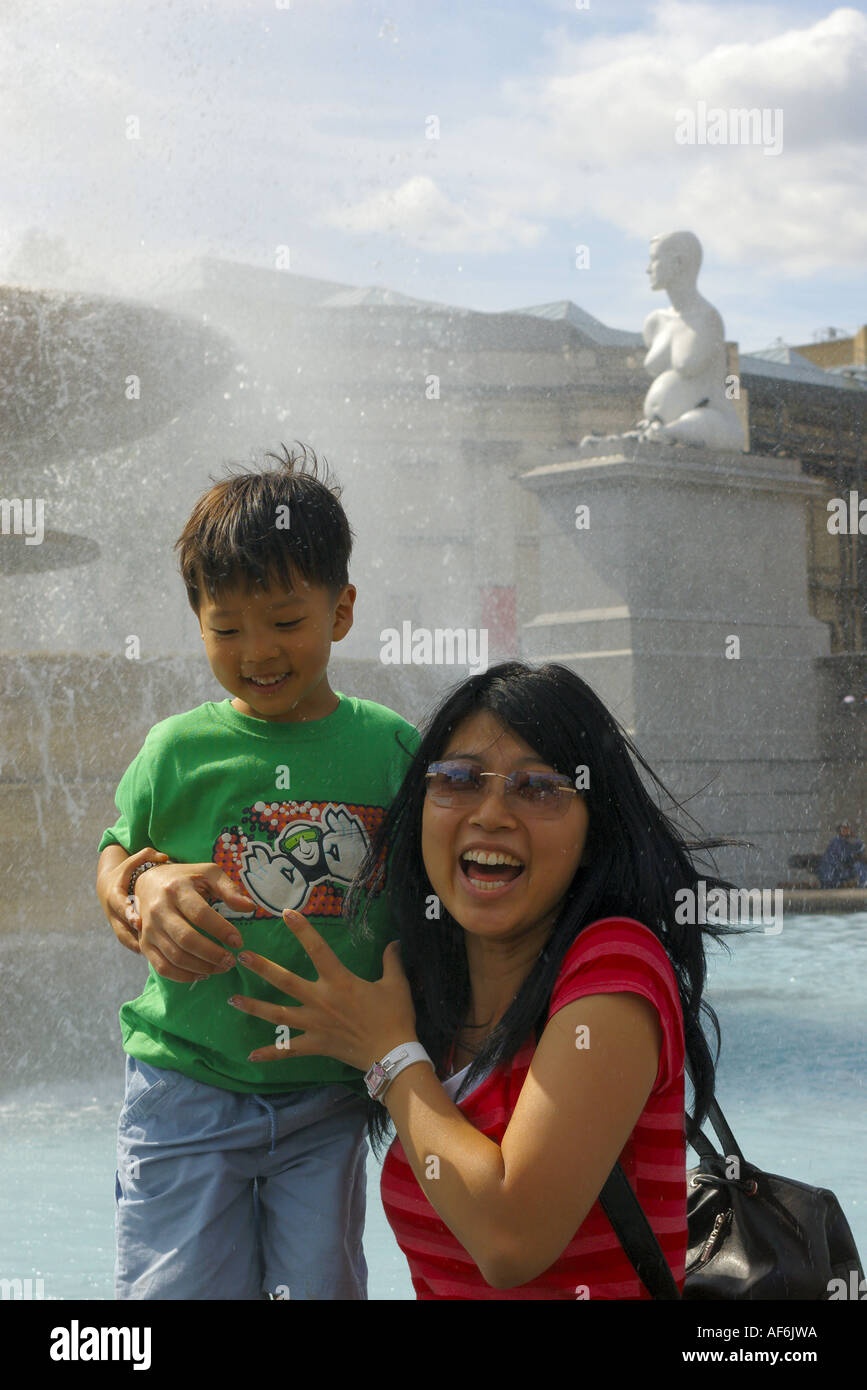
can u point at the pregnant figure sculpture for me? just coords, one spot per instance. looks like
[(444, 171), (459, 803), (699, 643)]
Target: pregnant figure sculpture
[(686, 356)]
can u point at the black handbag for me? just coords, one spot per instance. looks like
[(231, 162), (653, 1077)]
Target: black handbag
[(751, 1236)]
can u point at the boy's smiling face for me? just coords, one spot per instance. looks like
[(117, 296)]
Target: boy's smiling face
[(270, 647)]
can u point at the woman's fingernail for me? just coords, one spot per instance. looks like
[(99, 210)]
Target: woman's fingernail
[(235, 941), (253, 1057), (245, 958), (233, 1000)]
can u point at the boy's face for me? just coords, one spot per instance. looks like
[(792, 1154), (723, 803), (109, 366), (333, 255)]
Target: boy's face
[(270, 647)]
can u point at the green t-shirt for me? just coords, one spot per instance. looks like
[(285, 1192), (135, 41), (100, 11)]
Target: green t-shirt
[(287, 811)]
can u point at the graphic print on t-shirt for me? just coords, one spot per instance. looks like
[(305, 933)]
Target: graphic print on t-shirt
[(294, 854)]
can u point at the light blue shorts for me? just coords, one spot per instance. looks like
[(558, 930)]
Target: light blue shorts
[(227, 1195)]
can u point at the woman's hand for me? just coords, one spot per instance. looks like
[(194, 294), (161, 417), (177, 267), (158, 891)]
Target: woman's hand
[(339, 1014)]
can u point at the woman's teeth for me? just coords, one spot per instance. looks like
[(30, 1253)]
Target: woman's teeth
[(483, 856), (487, 859)]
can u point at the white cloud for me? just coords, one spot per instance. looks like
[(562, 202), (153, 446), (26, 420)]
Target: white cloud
[(420, 213), (605, 121), (593, 137)]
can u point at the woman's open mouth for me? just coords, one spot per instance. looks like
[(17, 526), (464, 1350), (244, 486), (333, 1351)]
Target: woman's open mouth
[(489, 871)]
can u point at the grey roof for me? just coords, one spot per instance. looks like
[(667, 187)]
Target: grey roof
[(851, 369), (783, 363), (781, 352), (206, 273), (779, 361), (592, 328), (352, 296)]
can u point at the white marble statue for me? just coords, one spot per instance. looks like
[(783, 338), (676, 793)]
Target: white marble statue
[(686, 356)]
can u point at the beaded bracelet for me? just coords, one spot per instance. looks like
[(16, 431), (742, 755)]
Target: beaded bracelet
[(130, 893), (148, 864)]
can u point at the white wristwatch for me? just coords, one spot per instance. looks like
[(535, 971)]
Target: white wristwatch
[(381, 1074)]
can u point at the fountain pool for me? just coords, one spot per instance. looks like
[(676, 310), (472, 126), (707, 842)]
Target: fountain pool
[(790, 1083)]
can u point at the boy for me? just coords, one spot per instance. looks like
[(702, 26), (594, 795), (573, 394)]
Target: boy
[(240, 1180)]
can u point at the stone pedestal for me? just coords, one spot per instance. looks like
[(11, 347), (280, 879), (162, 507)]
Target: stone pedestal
[(683, 603)]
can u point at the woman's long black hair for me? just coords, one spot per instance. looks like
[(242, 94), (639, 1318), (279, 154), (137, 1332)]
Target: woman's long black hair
[(636, 860)]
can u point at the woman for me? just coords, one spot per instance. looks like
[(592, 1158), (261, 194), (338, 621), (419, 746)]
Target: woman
[(533, 882)]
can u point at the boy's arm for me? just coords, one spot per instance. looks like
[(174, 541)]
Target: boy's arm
[(112, 878), (171, 909), (173, 912), (113, 873)]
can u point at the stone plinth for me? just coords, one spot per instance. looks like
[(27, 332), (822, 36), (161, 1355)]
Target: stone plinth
[(683, 602)]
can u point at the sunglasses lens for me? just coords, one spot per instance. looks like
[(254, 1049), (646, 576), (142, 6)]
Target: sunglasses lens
[(541, 792), (453, 783)]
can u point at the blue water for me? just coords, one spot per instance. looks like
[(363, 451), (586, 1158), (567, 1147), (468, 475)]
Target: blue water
[(791, 1082)]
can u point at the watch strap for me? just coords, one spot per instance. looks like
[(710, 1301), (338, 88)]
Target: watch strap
[(382, 1073)]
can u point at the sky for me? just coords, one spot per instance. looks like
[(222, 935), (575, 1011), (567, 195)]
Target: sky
[(456, 152)]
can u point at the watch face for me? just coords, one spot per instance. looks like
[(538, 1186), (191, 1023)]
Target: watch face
[(374, 1079)]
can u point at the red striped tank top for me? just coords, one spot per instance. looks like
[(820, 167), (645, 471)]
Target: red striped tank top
[(610, 955)]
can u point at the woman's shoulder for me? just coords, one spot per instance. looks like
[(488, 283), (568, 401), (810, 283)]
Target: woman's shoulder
[(615, 953), (627, 930)]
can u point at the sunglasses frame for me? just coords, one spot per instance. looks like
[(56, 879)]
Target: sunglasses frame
[(560, 807)]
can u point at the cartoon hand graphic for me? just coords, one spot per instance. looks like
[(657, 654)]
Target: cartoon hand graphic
[(271, 879), (344, 844)]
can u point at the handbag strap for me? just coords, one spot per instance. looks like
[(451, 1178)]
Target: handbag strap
[(635, 1234), (630, 1223), (701, 1143)]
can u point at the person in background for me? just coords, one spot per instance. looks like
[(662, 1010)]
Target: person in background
[(842, 864)]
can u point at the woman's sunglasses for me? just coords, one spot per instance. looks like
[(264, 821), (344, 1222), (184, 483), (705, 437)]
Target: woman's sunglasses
[(459, 785)]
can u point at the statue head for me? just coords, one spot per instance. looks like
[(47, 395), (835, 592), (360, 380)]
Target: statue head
[(676, 256)]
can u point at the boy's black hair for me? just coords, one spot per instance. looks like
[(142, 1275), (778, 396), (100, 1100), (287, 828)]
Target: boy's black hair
[(635, 861), (257, 528)]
